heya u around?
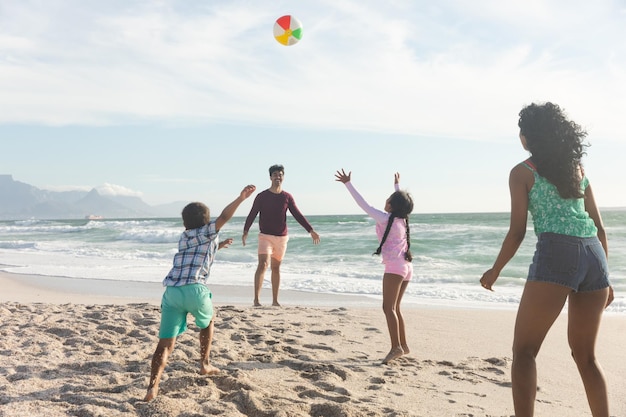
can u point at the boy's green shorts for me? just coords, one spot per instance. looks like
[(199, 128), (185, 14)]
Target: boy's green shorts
[(177, 302)]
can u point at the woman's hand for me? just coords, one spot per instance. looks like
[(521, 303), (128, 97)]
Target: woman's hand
[(488, 279), (611, 296)]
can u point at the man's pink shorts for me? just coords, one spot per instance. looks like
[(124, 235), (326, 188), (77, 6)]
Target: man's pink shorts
[(275, 246)]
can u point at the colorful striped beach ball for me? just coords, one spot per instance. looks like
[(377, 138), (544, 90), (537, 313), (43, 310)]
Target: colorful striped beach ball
[(288, 30)]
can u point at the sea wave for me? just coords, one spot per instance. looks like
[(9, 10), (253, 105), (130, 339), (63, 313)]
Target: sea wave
[(450, 254)]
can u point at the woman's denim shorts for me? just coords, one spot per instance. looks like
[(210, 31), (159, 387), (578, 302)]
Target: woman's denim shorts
[(574, 262)]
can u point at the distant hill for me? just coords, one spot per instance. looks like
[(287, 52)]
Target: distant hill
[(19, 200)]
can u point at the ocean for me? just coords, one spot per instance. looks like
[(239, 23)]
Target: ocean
[(451, 251)]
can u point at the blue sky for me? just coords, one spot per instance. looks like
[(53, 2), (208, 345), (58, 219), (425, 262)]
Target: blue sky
[(191, 100)]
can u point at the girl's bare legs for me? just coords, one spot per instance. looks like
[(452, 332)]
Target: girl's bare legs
[(539, 307), (159, 360), (401, 328), (206, 338), (392, 286), (585, 312)]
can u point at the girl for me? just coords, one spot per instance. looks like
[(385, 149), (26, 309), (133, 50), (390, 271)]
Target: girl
[(570, 262), (392, 228)]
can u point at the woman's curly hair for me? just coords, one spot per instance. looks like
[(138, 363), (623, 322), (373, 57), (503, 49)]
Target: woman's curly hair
[(556, 144)]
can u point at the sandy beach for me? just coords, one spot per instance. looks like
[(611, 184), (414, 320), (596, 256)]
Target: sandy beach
[(83, 348)]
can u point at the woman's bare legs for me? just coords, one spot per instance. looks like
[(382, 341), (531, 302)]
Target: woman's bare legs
[(585, 313), (539, 307)]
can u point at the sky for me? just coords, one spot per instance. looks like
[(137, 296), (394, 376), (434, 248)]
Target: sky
[(192, 100)]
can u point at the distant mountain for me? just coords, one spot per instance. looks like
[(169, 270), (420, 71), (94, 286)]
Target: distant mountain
[(170, 210), (19, 200)]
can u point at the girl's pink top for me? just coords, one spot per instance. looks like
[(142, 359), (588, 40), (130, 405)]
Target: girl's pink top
[(395, 246)]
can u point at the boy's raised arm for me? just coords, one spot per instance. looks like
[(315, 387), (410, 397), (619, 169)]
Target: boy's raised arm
[(230, 209)]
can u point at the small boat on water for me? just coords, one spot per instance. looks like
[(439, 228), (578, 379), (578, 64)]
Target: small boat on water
[(94, 217)]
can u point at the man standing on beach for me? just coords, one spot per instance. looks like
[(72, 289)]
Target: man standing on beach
[(272, 204)]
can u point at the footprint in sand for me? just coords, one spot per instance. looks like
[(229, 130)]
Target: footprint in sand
[(316, 394), (327, 332), (321, 347)]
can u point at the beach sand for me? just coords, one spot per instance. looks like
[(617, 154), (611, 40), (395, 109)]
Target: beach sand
[(83, 348)]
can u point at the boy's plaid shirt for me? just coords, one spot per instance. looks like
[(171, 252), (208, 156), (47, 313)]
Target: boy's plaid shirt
[(196, 252)]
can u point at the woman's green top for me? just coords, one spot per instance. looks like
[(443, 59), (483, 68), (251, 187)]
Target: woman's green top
[(552, 213)]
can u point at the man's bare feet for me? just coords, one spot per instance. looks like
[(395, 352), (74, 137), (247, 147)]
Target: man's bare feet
[(257, 304), (208, 369), (406, 349), (275, 304), (394, 353)]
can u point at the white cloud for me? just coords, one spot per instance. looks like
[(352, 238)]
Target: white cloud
[(451, 68), (104, 189), (117, 190)]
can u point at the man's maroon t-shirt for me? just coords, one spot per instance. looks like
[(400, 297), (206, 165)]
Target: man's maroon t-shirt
[(273, 208)]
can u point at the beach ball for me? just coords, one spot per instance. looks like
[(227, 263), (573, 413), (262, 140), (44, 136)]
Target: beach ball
[(288, 30)]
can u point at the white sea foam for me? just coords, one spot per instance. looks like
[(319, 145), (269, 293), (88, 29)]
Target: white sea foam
[(450, 254)]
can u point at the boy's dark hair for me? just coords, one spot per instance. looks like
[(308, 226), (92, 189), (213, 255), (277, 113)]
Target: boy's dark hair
[(277, 167), (196, 215), (401, 204)]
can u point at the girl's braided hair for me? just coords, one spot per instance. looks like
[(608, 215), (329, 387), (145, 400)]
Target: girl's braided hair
[(401, 204)]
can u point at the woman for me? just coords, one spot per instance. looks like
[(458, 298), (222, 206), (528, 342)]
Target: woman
[(570, 262)]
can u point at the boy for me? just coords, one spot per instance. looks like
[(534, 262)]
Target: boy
[(186, 290)]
